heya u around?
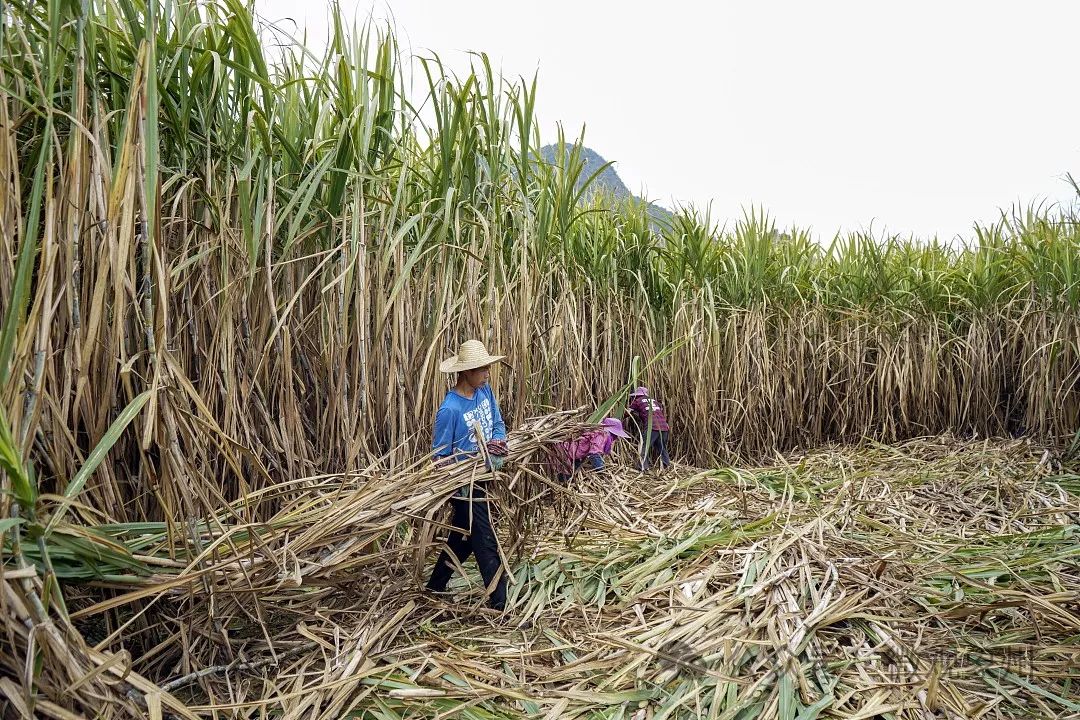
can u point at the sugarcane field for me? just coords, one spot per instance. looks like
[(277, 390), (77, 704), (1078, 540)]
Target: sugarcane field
[(329, 390)]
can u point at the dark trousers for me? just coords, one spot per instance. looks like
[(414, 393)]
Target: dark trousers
[(658, 442), (473, 533)]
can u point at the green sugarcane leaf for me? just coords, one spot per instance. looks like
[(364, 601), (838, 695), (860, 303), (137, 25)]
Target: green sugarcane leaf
[(75, 486), (22, 483), (811, 712), (8, 523)]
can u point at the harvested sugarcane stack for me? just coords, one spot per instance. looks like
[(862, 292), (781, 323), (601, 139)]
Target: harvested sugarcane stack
[(342, 530), (846, 583)]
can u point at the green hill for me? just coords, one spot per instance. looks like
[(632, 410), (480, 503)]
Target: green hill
[(607, 181)]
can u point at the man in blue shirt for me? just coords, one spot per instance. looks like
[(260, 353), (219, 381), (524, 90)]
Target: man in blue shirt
[(470, 406)]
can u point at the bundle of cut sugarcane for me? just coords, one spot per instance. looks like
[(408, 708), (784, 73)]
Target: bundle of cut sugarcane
[(339, 527)]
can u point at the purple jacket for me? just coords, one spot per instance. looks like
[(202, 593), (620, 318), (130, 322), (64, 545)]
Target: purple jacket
[(641, 407)]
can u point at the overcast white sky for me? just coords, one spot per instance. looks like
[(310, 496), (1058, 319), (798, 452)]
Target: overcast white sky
[(919, 117)]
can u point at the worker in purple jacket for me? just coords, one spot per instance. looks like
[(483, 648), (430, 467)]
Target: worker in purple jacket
[(649, 415)]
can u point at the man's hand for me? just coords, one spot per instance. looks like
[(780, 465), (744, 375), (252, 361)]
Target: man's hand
[(497, 452)]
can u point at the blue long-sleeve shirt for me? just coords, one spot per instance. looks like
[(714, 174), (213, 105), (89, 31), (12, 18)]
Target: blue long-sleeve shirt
[(453, 431)]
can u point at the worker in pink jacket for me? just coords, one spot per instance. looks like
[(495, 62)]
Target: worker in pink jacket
[(590, 448)]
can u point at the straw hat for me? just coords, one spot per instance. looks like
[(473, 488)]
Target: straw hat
[(471, 354)]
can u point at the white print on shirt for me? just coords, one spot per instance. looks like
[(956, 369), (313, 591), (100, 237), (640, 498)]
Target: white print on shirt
[(651, 405), (482, 414)]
